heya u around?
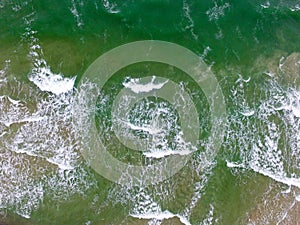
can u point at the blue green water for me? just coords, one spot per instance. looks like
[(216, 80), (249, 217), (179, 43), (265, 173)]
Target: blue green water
[(253, 49)]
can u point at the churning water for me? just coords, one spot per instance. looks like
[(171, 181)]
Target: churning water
[(46, 103)]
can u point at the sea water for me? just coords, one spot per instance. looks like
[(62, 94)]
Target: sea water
[(253, 49)]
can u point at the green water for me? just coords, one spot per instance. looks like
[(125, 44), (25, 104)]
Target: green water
[(235, 38)]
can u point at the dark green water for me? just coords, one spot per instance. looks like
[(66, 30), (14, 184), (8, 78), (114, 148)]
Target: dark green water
[(252, 47)]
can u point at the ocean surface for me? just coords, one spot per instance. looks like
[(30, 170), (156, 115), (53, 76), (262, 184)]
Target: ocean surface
[(252, 47)]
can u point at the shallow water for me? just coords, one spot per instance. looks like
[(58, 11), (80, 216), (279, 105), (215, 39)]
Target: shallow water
[(252, 47)]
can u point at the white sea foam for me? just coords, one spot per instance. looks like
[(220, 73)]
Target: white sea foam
[(135, 85), (110, 7), (41, 74), (164, 153), (48, 135), (158, 125), (146, 128), (295, 8), (248, 112), (3, 79), (162, 216), (234, 165), (264, 171), (48, 81), (282, 179), (159, 147), (74, 10), (209, 220), (17, 188), (191, 24), (259, 139), (217, 11), (294, 103), (241, 79), (15, 112), (42, 132), (270, 74), (147, 208), (265, 5), (205, 52), (15, 102), (24, 120)]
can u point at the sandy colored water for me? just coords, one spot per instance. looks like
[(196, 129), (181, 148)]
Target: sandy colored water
[(276, 207)]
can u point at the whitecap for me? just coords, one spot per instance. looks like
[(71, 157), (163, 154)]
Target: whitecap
[(265, 5), (41, 74), (110, 7), (217, 11), (161, 216), (76, 14), (146, 128), (187, 15), (164, 153), (282, 179), (234, 165), (45, 80), (295, 8), (135, 85), (248, 112)]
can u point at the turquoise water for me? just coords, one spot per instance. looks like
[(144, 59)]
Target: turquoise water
[(252, 48)]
